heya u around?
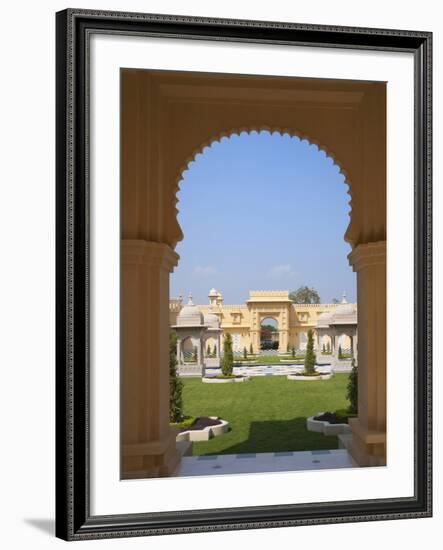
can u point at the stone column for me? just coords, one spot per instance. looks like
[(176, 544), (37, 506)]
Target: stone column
[(199, 352), (201, 355), (255, 334), (368, 446), (217, 354), (179, 351), (148, 442), (283, 341)]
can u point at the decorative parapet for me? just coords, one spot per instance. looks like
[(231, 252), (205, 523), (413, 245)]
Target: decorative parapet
[(268, 296), (314, 306)]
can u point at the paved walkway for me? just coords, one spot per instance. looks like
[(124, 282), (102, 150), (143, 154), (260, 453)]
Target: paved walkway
[(272, 370), (247, 463)]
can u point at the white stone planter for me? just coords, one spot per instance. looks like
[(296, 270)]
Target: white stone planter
[(326, 428), (205, 434), (224, 380), (310, 378)]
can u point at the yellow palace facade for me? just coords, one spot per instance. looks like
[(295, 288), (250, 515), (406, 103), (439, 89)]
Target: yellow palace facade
[(291, 321)]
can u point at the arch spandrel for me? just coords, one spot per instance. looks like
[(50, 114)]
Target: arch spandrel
[(180, 113)]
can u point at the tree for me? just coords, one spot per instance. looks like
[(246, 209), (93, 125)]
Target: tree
[(175, 383), (328, 347), (293, 352), (352, 389), (335, 301), (310, 358), (323, 348), (214, 353), (227, 361), (251, 351), (340, 352), (208, 350), (305, 295), (245, 353)]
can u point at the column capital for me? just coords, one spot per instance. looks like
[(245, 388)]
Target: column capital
[(141, 252), (368, 254)]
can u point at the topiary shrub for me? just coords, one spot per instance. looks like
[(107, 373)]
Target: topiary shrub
[(251, 351), (208, 350), (310, 358), (245, 353), (340, 352), (227, 362), (175, 384), (352, 389)]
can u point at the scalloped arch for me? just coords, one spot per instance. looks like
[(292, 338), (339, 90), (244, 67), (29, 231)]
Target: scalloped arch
[(272, 130)]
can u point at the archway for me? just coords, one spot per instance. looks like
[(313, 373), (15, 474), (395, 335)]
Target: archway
[(210, 349), (189, 350), (302, 341), (347, 118), (269, 334)]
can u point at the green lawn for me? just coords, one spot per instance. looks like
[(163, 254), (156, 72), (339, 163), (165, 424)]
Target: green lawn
[(266, 414)]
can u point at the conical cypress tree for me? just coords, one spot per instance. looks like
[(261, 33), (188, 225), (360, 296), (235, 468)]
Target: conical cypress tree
[(227, 362), (175, 384), (310, 358), (352, 389)]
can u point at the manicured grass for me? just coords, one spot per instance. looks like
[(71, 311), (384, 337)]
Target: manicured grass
[(266, 414)]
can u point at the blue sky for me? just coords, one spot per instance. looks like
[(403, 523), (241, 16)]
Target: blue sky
[(262, 212)]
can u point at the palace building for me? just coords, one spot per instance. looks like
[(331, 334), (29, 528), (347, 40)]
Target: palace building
[(267, 320)]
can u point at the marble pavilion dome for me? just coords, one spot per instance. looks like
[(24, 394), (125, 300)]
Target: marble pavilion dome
[(190, 315), (211, 320), (345, 313), (324, 319)]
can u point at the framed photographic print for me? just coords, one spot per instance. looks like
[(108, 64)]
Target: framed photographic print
[(243, 274)]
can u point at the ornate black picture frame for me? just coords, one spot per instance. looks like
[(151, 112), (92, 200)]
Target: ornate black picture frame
[(73, 518)]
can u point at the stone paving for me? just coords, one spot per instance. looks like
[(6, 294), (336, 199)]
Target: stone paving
[(270, 370), (252, 370), (264, 462)]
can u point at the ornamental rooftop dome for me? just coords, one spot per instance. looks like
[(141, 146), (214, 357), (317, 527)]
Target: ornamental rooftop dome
[(324, 319), (190, 315), (345, 314), (211, 320)]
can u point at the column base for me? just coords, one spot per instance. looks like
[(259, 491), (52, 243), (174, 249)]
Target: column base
[(159, 458), (367, 447)]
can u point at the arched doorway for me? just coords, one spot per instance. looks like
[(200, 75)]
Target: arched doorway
[(346, 119), (269, 334)]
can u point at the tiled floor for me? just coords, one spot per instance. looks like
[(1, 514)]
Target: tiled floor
[(264, 462)]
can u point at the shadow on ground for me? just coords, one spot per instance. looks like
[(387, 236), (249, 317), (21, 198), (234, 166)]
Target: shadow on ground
[(270, 436), (42, 524)]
